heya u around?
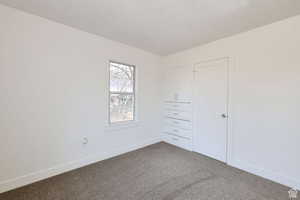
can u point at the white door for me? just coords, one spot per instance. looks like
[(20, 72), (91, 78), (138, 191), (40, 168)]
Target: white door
[(211, 91)]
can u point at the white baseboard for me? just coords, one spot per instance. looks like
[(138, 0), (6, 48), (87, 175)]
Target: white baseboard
[(59, 169), (289, 182)]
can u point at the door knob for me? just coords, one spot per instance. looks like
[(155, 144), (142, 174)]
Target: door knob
[(224, 115)]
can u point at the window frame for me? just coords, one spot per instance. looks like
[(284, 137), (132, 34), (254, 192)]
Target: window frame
[(133, 93)]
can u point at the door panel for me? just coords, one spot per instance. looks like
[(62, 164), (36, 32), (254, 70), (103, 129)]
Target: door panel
[(211, 90)]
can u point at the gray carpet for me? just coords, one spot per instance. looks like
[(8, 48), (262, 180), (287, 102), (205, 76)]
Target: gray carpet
[(157, 172)]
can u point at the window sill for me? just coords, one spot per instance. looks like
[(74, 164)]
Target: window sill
[(121, 126)]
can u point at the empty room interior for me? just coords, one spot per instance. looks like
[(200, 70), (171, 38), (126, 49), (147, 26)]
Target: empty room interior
[(149, 100)]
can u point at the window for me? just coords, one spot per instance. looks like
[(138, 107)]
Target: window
[(121, 92)]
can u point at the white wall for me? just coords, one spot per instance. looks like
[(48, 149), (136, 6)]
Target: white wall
[(53, 86), (265, 97)]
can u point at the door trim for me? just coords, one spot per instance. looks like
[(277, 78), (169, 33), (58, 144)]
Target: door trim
[(229, 126)]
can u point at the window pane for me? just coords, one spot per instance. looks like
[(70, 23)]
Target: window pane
[(121, 78), (121, 107)]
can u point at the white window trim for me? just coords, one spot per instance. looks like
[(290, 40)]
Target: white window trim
[(128, 123), (121, 126)]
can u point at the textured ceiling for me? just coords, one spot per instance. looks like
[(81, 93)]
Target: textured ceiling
[(161, 26)]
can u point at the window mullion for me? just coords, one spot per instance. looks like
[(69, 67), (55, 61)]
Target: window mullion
[(126, 93)]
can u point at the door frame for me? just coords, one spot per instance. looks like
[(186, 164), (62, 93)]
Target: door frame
[(229, 127)]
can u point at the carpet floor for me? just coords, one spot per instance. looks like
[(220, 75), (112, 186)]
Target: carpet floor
[(157, 172)]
